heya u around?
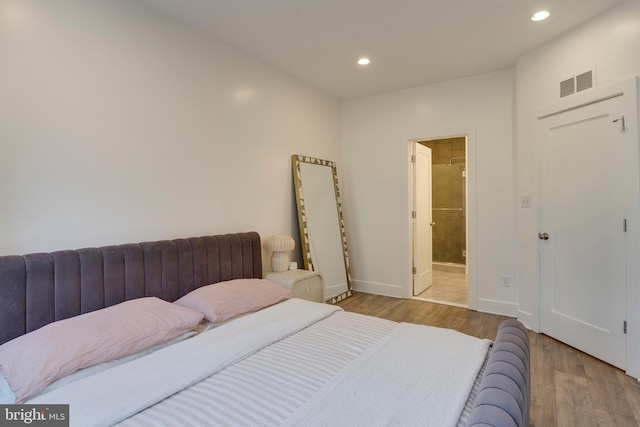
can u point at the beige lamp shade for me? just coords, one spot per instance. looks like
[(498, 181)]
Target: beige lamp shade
[(280, 245)]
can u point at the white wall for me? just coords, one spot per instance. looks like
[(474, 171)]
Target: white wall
[(120, 125), (610, 43), (374, 140)]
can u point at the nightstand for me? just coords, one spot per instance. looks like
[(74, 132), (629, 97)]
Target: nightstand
[(304, 284)]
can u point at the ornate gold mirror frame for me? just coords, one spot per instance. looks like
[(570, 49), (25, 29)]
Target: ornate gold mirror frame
[(324, 243)]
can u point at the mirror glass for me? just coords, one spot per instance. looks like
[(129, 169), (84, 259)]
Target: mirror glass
[(324, 245)]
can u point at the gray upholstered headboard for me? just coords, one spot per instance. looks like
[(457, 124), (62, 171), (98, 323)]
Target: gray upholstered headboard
[(38, 289)]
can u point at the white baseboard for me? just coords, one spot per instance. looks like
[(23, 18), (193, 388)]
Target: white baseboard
[(529, 321), (497, 307), (377, 288)]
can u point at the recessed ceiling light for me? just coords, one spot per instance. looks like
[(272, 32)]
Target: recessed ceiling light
[(363, 61), (540, 16)]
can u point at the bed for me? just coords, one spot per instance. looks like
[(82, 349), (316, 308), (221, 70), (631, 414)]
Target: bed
[(257, 358)]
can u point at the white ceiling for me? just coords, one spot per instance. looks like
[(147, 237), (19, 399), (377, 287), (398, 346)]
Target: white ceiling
[(410, 42)]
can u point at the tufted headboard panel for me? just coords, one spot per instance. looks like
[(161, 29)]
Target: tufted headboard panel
[(504, 394), (41, 288)]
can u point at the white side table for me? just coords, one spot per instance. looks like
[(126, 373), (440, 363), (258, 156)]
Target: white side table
[(304, 284)]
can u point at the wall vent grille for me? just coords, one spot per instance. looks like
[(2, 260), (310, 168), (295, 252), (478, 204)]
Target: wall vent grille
[(567, 87), (577, 83), (584, 81)]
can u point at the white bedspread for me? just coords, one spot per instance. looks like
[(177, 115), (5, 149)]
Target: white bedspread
[(416, 375), (345, 370), (267, 388), (113, 395)]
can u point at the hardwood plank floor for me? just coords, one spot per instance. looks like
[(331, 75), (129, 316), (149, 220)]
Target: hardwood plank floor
[(568, 387)]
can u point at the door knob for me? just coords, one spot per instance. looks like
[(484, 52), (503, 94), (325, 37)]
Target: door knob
[(433, 223), (543, 236)]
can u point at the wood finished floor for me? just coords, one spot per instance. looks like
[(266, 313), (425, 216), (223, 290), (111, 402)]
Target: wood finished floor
[(568, 387)]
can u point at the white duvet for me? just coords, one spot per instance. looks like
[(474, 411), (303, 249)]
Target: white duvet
[(414, 375), (113, 395)]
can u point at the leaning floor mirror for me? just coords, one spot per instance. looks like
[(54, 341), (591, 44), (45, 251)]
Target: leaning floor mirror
[(324, 244)]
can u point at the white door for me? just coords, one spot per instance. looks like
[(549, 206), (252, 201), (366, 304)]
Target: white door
[(583, 247), (422, 246)]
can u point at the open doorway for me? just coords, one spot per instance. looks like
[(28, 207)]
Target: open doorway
[(448, 222)]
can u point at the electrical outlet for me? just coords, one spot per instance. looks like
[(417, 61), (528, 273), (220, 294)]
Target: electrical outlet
[(525, 201), (506, 281)]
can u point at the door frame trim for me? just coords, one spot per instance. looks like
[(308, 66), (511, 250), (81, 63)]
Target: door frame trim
[(630, 90), (472, 209)]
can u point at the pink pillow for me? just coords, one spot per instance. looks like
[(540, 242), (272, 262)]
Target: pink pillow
[(32, 361), (226, 300)]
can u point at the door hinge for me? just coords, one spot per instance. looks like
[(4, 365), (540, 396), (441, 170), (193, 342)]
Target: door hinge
[(624, 225), (413, 214), (624, 326), (413, 158), (415, 271)]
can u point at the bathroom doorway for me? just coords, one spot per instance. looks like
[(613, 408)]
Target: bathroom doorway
[(449, 231)]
